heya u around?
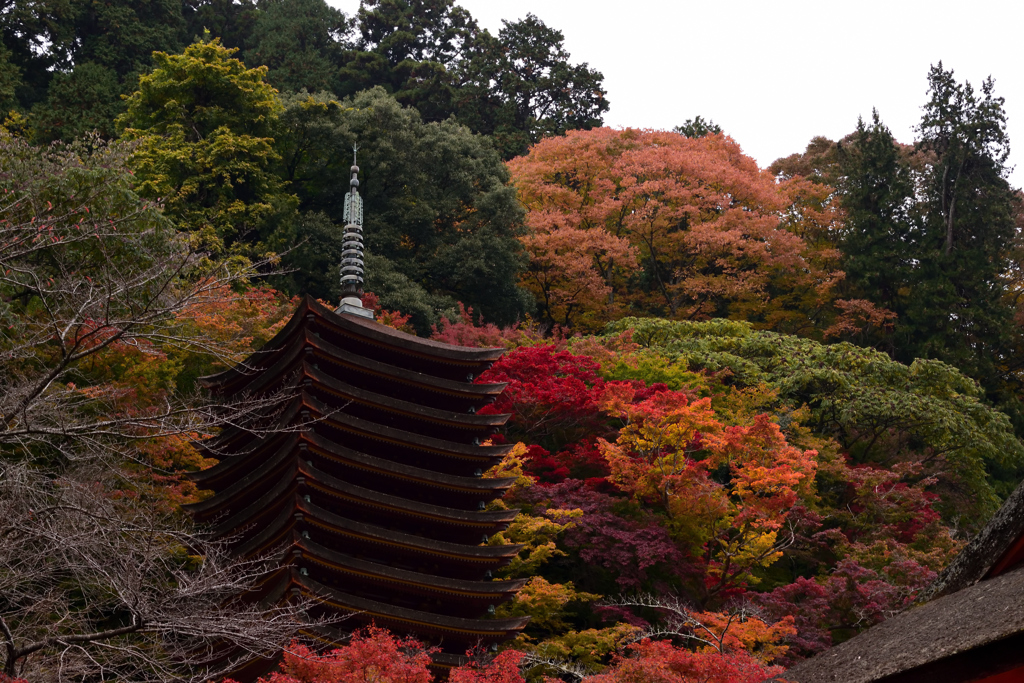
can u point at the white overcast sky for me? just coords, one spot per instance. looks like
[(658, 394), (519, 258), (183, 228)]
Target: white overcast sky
[(774, 73)]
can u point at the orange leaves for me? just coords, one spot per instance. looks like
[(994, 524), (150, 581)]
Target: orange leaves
[(568, 269), (742, 633), (238, 323), (504, 668), (663, 223), (661, 662), (726, 489), (767, 472), (650, 456)]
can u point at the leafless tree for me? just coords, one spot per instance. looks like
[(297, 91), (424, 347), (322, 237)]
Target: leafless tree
[(564, 669), (679, 621), (97, 580)]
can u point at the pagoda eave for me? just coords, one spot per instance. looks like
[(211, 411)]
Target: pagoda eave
[(402, 619), (468, 421), (344, 563), (306, 445), (480, 557)]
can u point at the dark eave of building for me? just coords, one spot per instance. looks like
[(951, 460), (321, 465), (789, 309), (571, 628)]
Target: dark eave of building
[(347, 564), (484, 556), (451, 482), (229, 469), (424, 350), (332, 486), (236, 439), (269, 502), (403, 342), (409, 619), (401, 437), (325, 350), (397, 406), (216, 504), (256, 467), (302, 474)]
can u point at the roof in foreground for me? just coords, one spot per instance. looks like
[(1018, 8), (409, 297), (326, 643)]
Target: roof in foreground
[(963, 636), (995, 549)]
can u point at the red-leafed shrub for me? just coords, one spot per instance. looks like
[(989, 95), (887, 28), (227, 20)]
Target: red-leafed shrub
[(658, 661)]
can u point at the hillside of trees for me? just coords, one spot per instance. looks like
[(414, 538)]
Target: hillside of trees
[(755, 410)]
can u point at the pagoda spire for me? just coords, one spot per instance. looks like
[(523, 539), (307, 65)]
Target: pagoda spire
[(352, 249)]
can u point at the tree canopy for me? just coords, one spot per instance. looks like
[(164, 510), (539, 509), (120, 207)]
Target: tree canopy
[(439, 209), (204, 124), (659, 223)]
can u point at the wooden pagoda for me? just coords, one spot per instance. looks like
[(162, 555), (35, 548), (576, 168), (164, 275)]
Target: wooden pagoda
[(367, 487)]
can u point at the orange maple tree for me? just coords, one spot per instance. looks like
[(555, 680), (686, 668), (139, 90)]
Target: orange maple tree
[(674, 452), (654, 222)]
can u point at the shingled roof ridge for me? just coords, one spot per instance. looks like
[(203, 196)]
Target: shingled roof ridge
[(930, 642), (984, 552), (403, 341)]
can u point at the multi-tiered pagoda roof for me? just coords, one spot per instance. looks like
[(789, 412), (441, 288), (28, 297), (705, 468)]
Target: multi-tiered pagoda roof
[(368, 487)]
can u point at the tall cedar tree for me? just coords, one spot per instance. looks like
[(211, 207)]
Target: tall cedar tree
[(411, 48), (957, 312), (518, 86), (104, 48), (521, 87), (877, 192), (300, 42)]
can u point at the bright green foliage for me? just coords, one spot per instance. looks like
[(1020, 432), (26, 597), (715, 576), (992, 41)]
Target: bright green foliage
[(300, 41), (438, 207), (204, 125), (880, 411)]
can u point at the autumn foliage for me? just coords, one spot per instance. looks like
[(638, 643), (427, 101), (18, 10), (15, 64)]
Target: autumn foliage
[(659, 223)]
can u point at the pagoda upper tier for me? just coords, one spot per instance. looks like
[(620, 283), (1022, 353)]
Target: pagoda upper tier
[(366, 481)]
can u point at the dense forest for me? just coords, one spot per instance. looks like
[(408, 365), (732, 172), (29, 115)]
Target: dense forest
[(755, 410)]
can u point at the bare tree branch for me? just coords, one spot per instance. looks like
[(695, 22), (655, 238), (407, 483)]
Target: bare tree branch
[(99, 578)]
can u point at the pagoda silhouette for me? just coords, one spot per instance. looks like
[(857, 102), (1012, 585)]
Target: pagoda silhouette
[(367, 487)]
